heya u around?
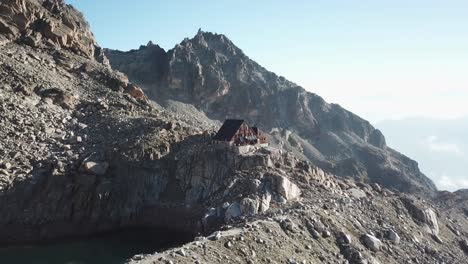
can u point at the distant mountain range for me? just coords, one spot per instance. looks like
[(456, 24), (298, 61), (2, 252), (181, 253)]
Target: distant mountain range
[(440, 146), (210, 73)]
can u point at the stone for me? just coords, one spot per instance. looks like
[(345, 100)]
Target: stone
[(6, 165), (228, 244), (248, 206), (437, 239), (97, 168), (136, 92), (287, 189), (425, 215), (314, 233), (181, 252), (464, 246), (217, 236), (453, 229), (82, 126), (376, 187), (326, 234), (372, 242), (343, 238), (357, 193), (233, 211), (393, 236), (265, 202)]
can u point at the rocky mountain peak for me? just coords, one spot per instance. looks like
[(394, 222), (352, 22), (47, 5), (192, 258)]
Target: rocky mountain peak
[(211, 42), (211, 73)]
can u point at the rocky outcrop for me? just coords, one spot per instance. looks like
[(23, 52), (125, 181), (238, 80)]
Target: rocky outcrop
[(211, 73), (422, 214), (47, 23)]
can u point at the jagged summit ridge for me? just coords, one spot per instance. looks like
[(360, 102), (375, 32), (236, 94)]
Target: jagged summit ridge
[(211, 73)]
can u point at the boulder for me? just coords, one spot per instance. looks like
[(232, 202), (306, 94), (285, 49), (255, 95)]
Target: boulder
[(357, 193), (422, 214), (393, 236), (343, 238), (249, 206), (372, 242), (437, 239), (233, 211), (8, 30), (464, 246), (97, 168), (265, 202), (286, 188), (135, 92)]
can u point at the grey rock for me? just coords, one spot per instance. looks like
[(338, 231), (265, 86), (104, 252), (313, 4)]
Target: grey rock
[(181, 252), (372, 242), (357, 193), (286, 188), (315, 234), (344, 238), (453, 229), (228, 244), (98, 168), (233, 211), (464, 246), (249, 206), (5, 165), (393, 236), (423, 214), (437, 238), (265, 202)]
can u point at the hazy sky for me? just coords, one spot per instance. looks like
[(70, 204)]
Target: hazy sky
[(380, 59)]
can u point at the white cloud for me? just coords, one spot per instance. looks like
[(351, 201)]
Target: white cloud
[(435, 145), (447, 183)]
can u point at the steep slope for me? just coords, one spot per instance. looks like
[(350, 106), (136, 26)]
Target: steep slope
[(211, 73), (83, 151)]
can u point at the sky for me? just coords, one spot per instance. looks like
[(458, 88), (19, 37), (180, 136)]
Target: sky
[(383, 60)]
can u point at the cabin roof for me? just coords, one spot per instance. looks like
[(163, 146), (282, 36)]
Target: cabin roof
[(228, 129)]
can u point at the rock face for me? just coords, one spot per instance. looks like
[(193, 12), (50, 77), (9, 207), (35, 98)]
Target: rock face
[(47, 23), (211, 73)]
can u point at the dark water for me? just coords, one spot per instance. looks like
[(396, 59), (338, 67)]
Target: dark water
[(109, 248)]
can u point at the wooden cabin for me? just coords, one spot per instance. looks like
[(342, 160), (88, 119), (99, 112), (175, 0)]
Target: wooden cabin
[(236, 132), (261, 136)]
